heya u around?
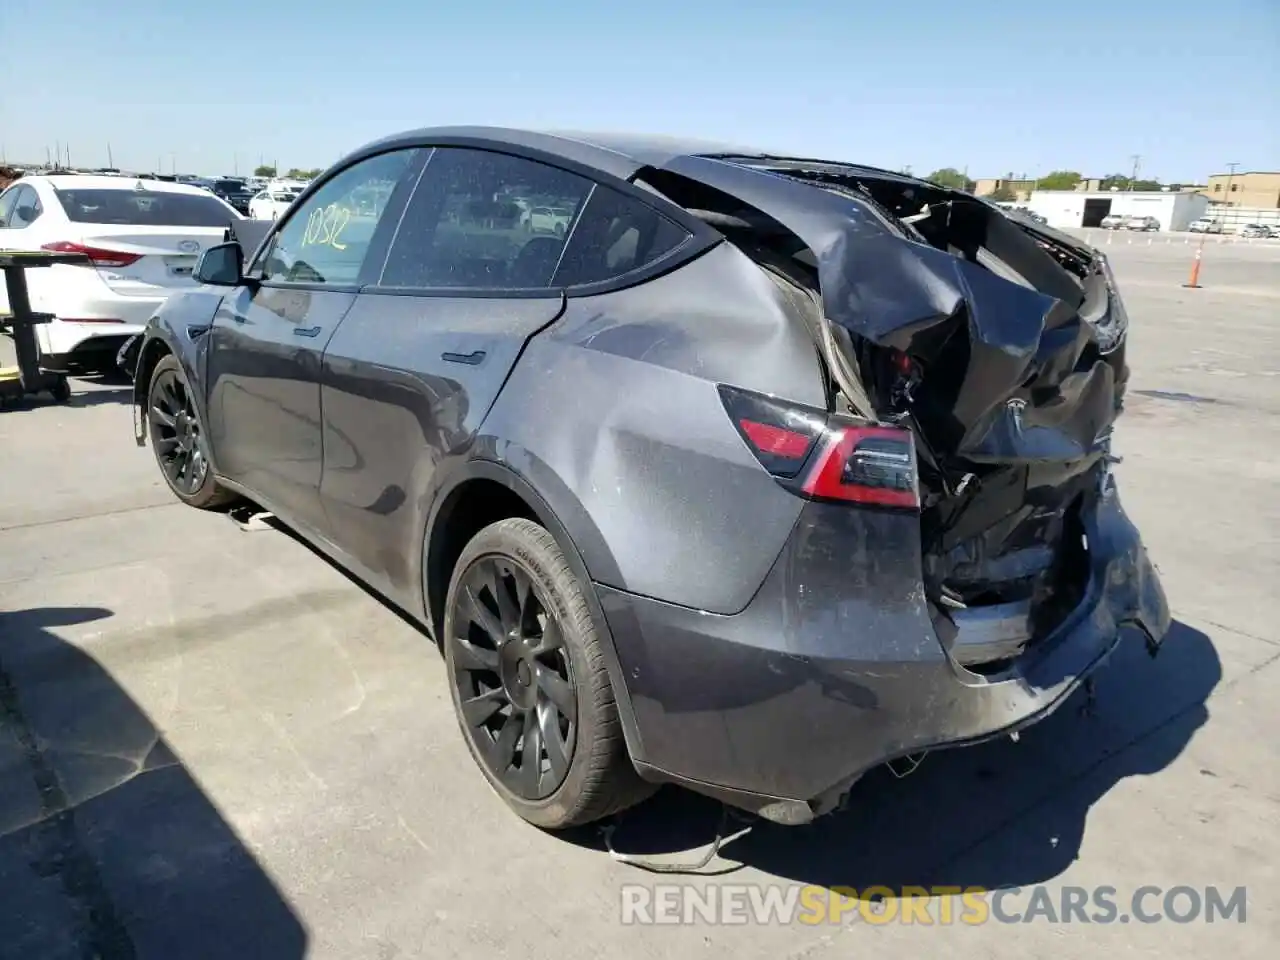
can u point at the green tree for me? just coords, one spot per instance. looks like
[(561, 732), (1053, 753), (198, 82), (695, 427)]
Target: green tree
[(951, 177), (297, 173), (1002, 194), (266, 170), (1120, 182), (1058, 180)]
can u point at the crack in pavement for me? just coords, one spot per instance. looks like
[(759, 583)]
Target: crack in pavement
[(56, 846), (1222, 626), (53, 521)]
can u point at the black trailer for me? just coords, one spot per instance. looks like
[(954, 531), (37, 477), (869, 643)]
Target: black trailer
[(28, 378)]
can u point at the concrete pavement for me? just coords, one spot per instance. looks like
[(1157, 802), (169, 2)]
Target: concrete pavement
[(215, 744)]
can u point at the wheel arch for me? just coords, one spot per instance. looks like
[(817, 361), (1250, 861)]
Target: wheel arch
[(153, 350), (465, 505), (179, 328)]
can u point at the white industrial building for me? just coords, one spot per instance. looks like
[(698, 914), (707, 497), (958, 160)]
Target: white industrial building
[(1070, 208)]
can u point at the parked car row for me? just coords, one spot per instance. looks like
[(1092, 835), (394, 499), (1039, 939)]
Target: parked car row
[(141, 240), (1122, 221), (274, 199), (1257, 231), (255, 197)]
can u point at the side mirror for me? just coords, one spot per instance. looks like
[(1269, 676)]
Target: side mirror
[(221, 266)]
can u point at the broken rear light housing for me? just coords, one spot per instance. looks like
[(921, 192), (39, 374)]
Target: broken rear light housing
[(823, 457)]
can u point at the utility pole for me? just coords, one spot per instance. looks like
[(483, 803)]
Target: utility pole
[(110, 162), (1137, 162), (1231, 175), (57, 154)]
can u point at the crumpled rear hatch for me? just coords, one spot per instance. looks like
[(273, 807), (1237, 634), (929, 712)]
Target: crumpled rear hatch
[(1000, 343), (1006, 356)]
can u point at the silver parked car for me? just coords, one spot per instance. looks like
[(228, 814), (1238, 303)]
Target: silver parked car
[(1205, 225), (1143, 224)]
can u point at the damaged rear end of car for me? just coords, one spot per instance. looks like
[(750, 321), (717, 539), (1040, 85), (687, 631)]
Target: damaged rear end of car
[(977, 367)]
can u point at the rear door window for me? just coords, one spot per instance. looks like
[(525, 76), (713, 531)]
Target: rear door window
[(8, 200), (26, 208), (485, 221), (616, 235)]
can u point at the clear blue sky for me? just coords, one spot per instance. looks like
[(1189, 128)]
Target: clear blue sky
[(995, 86)]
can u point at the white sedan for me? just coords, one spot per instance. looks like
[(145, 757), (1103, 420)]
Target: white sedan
[(272, 202), (142, 239)]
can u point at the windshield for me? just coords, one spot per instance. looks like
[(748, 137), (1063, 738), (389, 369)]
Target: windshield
[(144, 208)]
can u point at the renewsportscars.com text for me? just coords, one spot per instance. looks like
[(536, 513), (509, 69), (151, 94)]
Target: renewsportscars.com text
[(779, 904)]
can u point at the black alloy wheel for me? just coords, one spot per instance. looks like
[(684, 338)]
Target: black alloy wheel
[(178, 440), (176, 432), (513, 678)]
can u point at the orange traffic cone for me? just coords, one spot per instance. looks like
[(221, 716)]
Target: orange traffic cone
[(1194, 281)]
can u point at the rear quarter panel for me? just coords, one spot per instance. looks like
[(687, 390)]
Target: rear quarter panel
[(612, 414)]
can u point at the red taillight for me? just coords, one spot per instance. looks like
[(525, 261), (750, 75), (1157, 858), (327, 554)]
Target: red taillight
[(776, 441), (826, 459), (874, 465), (97, 256), (780, 435)]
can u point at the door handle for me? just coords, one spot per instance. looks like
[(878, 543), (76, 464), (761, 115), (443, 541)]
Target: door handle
[(474, 358), (306, 331)]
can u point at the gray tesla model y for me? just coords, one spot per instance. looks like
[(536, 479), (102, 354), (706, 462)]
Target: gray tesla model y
[(702, 465)]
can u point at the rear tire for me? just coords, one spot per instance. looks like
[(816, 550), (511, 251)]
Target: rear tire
[(178, 439), (530, 688)]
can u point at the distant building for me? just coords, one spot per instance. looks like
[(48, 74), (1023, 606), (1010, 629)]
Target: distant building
[(1023, 188), (1250, 189), (1174, 209)]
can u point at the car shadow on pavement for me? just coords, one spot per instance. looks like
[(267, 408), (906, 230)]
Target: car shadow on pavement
[(96, 398), (79, 398), (108, 846), (999, 814)]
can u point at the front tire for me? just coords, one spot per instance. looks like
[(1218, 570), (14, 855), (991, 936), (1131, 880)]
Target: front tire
[(530, 687), (178, 439)]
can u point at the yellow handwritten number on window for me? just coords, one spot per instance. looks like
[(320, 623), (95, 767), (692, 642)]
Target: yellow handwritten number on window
[(325, 226)]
